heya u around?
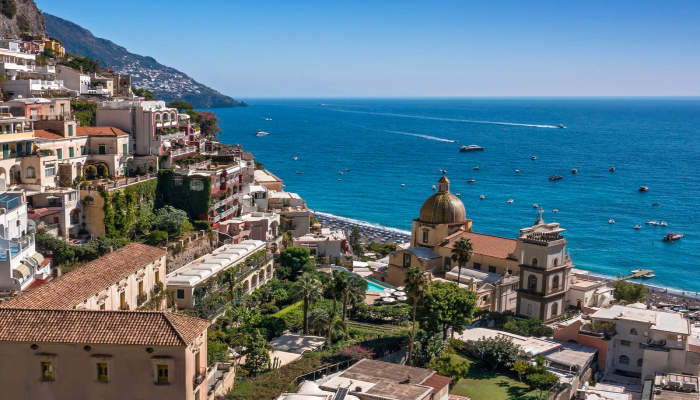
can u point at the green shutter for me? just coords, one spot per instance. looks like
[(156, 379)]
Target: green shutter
[(70, 130), (70, 152), (60, 153)]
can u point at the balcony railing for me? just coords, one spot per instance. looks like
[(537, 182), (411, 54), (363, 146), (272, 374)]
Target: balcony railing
[(199, 376), (186, 150)]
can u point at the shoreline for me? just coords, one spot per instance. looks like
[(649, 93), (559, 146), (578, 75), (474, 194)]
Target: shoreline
[(686, 294)]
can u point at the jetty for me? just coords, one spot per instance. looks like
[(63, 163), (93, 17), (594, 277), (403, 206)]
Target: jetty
[(637, 273)]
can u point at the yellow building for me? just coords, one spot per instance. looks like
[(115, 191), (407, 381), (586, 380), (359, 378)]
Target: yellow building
[(493, 271), (55, 45)]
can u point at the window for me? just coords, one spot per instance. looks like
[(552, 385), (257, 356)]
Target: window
[(70, 130), (47, 370), (177, 181), (624, 360), (71, 152), (52, 109), (407, 260), (157, 277), (140, 288), (633, 331), (625, 343), (492, 268), (555, 282), (59, 153), (448, 262), (102, 374), (102, 149), (125, 149), (534, 262), (555, 309), (32, 112), (28, 147), (196, 184), (640, 362), (63, 109), (31, 173), (82, 150), (162, 373), (514, 287), (425, 235), (50, 170), (122, 300), (529, 309), (532, 283), (555, 262), (477, 265), (102, 306), (181, 294)]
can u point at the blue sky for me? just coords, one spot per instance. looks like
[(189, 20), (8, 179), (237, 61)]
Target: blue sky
[(410, 48)]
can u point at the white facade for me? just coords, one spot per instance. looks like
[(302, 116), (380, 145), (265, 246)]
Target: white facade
[(19, 262), (22, 74)]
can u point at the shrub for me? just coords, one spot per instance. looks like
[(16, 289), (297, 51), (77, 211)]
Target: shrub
[(156, 238)]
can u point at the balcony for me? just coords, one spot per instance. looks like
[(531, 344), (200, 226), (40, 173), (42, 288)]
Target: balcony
[(199, 376), (183, 151)]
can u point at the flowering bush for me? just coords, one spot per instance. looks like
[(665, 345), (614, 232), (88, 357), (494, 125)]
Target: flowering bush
[(357, 353)]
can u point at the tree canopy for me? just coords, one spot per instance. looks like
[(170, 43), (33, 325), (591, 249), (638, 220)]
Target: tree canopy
[(446, 306), (629, 292), (209, 124), (76, 62), (497, 352), (294, 261), (143, 92), (528, 327)]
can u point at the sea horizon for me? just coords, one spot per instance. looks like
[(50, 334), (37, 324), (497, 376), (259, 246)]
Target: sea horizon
[(389, 141)]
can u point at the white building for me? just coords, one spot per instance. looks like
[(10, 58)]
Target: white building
[(649, 341), (23, 76), (327, 243), (20, 264)]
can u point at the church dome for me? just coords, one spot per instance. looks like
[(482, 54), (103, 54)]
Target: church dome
[(443, 207)]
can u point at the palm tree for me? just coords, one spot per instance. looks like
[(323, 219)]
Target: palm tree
[(310, 289), (339, 283), (354, 290), (328, 323), (462, 254), (416, 287)]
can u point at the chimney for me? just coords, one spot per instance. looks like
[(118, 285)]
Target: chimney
[(56, 272)]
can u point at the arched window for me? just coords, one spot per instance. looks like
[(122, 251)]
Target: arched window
[(555, 309), (556, 262), (555, 282), (534, 262), (31, 173), (640, 362), (633, 331), (172, 116), (157, 117), (532, 282), (166, 117), (624, 360), (529, 309)]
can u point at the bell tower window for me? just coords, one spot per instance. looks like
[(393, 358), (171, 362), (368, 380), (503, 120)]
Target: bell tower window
[(555, 283), (532, 283), (534, 262)]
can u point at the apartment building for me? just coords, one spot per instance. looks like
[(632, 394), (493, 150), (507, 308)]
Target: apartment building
[(254, 226), (20, 264), (24, 76), (52, 44), (87, 354), (326, 243), (124, 279), (38, 107), (79, 83), (16, 143), (637, 341), (120, 83)]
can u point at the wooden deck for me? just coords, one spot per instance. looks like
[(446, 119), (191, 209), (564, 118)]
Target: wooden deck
[(636, 274)]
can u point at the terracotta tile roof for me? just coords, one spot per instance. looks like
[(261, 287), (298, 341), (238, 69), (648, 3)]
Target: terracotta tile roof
[(40, 212), (437, 382), (99, 131), (99, 327), (84, 282), (47, 134), (493, 246)]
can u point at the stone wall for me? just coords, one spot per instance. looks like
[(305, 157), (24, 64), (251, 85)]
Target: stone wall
[(200, 244)]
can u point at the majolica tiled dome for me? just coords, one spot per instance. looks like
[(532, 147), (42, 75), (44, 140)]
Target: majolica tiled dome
[(443, 207)]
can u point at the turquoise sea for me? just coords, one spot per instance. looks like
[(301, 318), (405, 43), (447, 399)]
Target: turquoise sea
[(652, 142)]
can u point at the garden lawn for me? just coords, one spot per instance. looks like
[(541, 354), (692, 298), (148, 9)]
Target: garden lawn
[(481, 384)]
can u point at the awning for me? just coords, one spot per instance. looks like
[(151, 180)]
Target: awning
[(21, 272), (38, 257)]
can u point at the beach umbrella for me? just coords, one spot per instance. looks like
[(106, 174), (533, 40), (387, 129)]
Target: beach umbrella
[(400, 288), (390, 299), (402, 298), (391, 290), (400, 294), (384, 294)]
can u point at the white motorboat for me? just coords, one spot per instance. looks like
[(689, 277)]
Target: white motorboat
[(555, 210), (481, 197), (517, 171), (663, 223), (458, 194), (471, 147), (260, 134), (434, 187), (403, 184), (535, 205), (560, 126), (510, 201), (341, 172), (533, 158), (638, 227), (476, 168), (649, 275), (671, 237), (612, 221), (612, 169), (294, 158)]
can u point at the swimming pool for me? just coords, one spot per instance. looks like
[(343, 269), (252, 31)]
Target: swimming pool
[(373, 287)]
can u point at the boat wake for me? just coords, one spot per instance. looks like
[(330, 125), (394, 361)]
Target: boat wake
[(444, 119), (407, 133)]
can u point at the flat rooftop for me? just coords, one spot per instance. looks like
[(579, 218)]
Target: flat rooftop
[(205, 267), (378, 378), (675, 386), (321, 237), (530, 345), (660, 320)]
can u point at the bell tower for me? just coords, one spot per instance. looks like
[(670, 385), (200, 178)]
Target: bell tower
[(544, 271)]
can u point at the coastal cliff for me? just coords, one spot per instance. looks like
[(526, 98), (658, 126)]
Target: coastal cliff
[(165, 82), (19, 18)]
